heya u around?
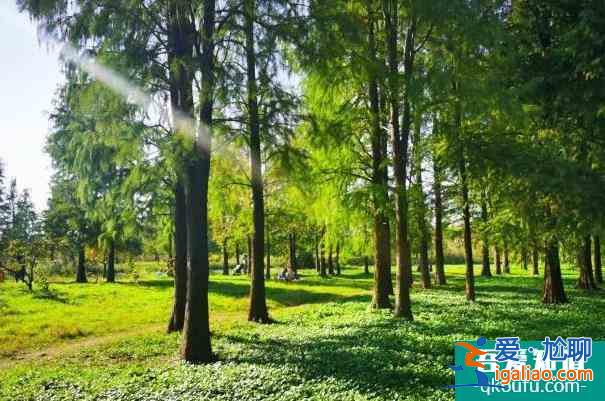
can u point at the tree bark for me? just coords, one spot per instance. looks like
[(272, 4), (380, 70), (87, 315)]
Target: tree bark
[(81, 269), (524, 257), (598, 271), (382, 281), (268, 267), (330, 261), (506, 258), (225, 258), (322, 259), (535, 260), (249, 258), (439, 258), (196, 344), (177, 318), (337, 259), (485, 265), (399, 140), (423, 249), (258, 301), (292, 252), (111, 262), (586, 280), (553, 292), (180, 44), (468, 245), (498, 260), (237, 254), (317, 260)]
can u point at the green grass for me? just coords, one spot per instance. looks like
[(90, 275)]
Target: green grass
[(106, 342)]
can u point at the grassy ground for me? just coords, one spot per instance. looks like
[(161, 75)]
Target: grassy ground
[(106, 342)]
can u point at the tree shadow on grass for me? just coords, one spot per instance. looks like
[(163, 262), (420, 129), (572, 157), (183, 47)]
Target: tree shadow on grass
[(370, 358), (287, 296), (51, 295)]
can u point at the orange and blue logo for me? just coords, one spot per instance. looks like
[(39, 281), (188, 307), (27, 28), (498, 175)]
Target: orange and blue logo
[(473, 352)]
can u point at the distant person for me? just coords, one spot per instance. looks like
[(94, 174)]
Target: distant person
[(283, 275)]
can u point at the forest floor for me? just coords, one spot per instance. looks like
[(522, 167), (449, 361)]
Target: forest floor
[(107, 341)]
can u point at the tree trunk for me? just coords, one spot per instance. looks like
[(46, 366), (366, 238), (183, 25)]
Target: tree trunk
[(524, 257), (111, 262), (466, 213), (317, 260), (237, 254), (506, 258), (195, 342), (330, 261), (258, 300), (586, 280), (337, 260), (485, 266), (535, 260), (498, 261), (225, 258), (553, 292), (292, 252), (249, 258), (598, 271), (439, 258), (423, 250), (382, 281), (177, 318), (81, 269), (180, 43), (268, 267), (366, 265), (322, 260)]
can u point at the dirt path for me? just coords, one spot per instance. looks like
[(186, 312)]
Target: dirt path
[(71, 347)]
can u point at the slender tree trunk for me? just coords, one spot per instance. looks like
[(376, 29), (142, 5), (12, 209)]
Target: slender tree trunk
[(180, 44), (598, 271), (553, 292), (439, 258), (249, 259), (196, 345), (399, 140), (322, 260), (237, 254), (498, 261), (111, 262), (177, 318), (586, 280), (268, 267), (423, 249), (468, 244), (81, 269), (225, 258), (535, 260), (337, 260), (292, 252), (366, 265), (330, 261), (524, 257), (506, 258), (485, 269), (258, 300), (382, 277), (317, 261)]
